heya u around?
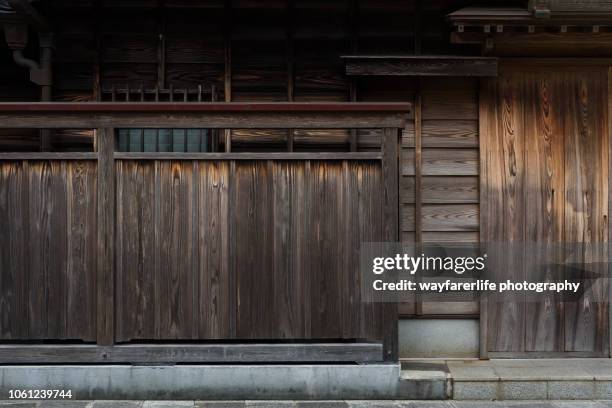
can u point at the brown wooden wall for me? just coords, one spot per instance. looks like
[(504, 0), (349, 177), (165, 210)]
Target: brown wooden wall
[(276, 50), (204, 249), (544, 155), (439, 200), (47, 250)]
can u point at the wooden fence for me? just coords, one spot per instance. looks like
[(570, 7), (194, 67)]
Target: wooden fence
[(195, 257)]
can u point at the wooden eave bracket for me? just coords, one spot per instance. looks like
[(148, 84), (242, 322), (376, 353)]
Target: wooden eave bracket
[(418, 66), (475, 25)]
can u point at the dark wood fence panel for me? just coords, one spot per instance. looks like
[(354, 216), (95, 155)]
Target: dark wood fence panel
[(172, 250), (274, 249), (47, 250), (545, 180)]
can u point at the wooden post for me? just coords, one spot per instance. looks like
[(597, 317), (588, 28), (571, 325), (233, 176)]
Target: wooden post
[(418, 180), (609, 181), (106, 236), (484, 107), (227, 75), (390, 185)]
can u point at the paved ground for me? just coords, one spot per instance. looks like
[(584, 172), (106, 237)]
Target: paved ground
[(306, 404), (508, 379)]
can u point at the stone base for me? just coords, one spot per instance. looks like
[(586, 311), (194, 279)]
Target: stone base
[(223, 382)]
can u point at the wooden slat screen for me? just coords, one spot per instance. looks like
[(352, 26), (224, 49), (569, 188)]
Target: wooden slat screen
[(47, 250), (274, 249)]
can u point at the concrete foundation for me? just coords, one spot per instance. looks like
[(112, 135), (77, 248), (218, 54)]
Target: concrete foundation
[(438, 338), (218, 382)]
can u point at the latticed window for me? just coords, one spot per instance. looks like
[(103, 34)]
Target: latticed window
[(163, 140)]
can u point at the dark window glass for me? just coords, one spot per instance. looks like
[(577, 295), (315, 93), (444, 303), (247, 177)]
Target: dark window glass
[(163, 140)]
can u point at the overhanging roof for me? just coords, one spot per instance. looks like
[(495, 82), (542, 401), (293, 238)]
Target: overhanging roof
[(518, 16)]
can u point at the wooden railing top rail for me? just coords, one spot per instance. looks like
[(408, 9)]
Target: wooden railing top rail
[(203, 115)]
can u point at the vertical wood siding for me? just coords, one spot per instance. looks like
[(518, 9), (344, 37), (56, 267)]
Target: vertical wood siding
[(545, 176), (245, 249), (47, 250)]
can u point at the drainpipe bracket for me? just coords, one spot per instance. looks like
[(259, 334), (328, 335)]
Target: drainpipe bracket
[(42, 77)]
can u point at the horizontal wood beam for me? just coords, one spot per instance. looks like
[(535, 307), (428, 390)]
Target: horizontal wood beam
[(196, 353), (203, 115), (421, 66), (250, 156), (218, 107), (213, 120), (48, 156)]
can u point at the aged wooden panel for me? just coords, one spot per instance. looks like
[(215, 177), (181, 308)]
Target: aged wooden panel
[(105, 254), (213, 243), (166, 209), (545, 167), (193, 353), (274, 233), (544, 200), (421, 66), (450, 190), (252, 213), (450, 99), (450, 217), (450, 133), (586, 200), (439, 187), (503, 164), (48, 258)]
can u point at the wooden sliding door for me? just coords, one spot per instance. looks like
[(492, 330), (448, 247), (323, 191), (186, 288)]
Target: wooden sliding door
[(544, 180)]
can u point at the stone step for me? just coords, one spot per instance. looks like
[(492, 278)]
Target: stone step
[(536, 379), (424, 381)]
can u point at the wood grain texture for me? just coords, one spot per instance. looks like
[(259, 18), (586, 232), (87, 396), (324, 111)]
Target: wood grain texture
[(544, 202), (444, 162), (439, 199), (48, 209), (193, 353), (586, 196), (105, 254), (421, 66), (274, 234), (503, 164), (545, 174)]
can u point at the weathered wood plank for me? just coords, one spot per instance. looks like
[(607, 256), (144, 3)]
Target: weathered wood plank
[(421, 66), (200, 115), (450, 217), (504, 220), (450, 190), (544, 202), (174, 281), (14, 301), (81, 251), (255, 317), (135, 251), (390, 232), (48, 156), (450, 133), (444, 162), (106, 237), (326, 309), (221, 353), (215, 319), (250, 156), (442, 218), (450, 99), (586, 196)]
